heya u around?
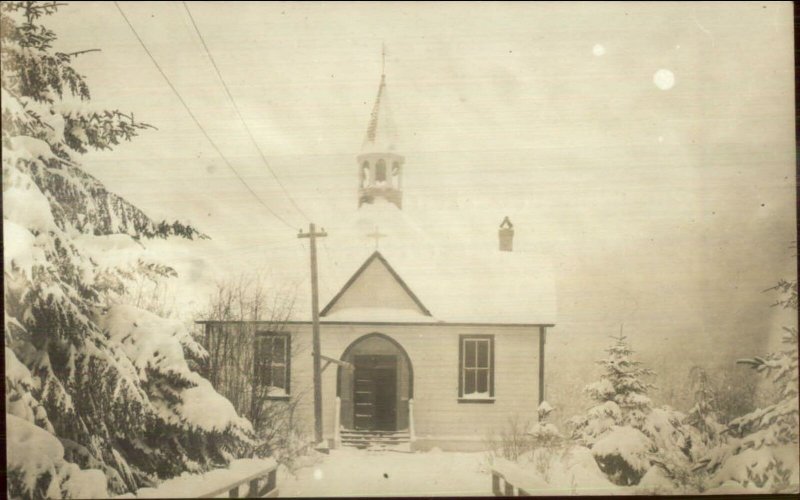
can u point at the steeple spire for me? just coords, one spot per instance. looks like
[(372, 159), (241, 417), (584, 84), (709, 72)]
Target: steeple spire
[(381, 132), (380, 167)]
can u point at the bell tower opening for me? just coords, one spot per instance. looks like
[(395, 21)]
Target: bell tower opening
[(380, 165), (380, 172)]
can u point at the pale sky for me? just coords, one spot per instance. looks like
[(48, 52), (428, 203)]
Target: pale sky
[(667, 209)]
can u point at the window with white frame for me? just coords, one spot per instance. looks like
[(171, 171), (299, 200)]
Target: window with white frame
[(273, 362), (476, 373)]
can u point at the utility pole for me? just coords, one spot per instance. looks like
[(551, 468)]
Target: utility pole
[(312, 235), (542, 337)]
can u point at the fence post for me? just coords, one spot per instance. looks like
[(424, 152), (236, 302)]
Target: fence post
[(337, 435), (496, 484), (253, 491), (411, 432), (272, 480)]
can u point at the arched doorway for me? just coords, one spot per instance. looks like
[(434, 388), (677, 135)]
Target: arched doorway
[(376, 392)]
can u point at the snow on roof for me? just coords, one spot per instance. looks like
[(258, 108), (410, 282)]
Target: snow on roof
[(378, 315), (458, 276)]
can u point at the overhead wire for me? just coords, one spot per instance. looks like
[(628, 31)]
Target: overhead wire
[(239, 113), (197, 122)]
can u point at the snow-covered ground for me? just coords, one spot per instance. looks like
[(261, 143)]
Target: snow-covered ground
[(350, 472)]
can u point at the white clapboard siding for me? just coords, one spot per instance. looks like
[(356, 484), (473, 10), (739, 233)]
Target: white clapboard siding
[(433, 350)]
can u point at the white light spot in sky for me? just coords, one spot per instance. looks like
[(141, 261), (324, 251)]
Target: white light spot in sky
[(664, 79), (598, 50), (317, 473), (660, 138), (677, 46)]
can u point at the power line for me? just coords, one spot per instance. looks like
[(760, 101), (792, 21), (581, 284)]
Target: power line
[(239, 114), (196, 121)]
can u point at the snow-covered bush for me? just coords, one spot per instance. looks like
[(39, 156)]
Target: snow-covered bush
[(543, 433), (512, 441), (762, 450), (95, 385), (546, 441), (537, 448), (626, 434)]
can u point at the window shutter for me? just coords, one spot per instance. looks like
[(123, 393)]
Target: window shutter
[(288, 363), (461, 366), (491, 366)]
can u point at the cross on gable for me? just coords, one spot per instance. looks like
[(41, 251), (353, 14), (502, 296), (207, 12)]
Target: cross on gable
[(377, 236)]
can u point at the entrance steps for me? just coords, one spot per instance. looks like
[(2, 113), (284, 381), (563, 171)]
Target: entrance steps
[(374, 439)]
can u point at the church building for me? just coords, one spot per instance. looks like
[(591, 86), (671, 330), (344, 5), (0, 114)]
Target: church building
[(429, 335)]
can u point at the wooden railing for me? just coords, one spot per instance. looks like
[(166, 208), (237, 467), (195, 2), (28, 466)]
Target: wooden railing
[(337, 416), (502, 487), (411, 433), (262, 484)]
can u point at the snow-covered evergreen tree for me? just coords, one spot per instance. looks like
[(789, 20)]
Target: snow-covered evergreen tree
[(706, 429), (762, 451), (620, 394), (626, 434), (90, 384)]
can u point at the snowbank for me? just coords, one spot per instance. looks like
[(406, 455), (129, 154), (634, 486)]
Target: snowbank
[(566, 471), (524, 478), (195, 485), (578, 468)]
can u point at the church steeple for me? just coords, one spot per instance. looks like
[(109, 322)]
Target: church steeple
[(380, 167)]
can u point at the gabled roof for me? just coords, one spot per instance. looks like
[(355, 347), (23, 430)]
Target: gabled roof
[(376, 257), (455, 270)]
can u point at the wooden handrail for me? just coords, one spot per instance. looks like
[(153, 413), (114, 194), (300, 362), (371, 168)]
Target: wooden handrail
[(411, 432), (337, 432), (502, 487), (268, 489)]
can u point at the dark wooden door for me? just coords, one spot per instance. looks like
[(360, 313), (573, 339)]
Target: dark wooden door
[(375, 392)]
